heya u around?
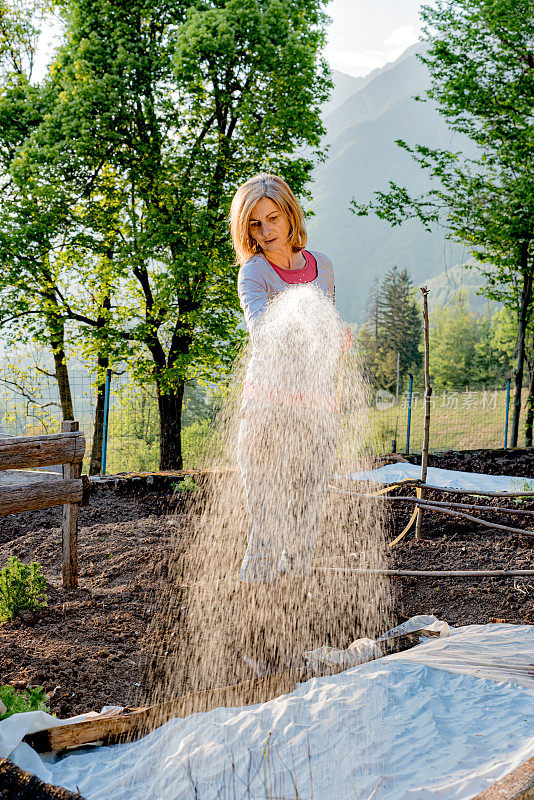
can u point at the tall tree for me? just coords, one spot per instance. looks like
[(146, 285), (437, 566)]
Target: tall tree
[(393, 330), (400, 320), (29, 307), (481, 63), (183, 102)]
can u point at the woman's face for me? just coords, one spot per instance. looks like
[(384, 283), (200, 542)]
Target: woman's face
[(269, 226)]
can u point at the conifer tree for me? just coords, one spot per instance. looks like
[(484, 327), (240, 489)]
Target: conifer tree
[(393, 329), (400, 320)]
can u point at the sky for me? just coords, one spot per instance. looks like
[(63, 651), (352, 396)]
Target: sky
[(366, 34), (363, 35)]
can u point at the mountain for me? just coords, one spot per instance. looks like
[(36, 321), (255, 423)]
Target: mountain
[(344, 87), (402, 78), (363, 158), (460, 278)]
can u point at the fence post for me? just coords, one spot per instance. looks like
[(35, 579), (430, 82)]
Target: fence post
[(105, 425), (69, 547), (507, 414), (409, 422)]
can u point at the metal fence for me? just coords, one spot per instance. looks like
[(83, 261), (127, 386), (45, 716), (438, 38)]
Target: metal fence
[(29, 405), (461, 419)]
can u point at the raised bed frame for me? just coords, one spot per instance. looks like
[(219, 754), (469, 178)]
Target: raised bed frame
[(66, 448)]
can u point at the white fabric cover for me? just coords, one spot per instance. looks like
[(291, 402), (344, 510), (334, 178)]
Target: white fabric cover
[(447, 478), (418, 722)]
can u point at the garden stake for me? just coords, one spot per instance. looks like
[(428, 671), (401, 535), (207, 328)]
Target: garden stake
[(426, 432)]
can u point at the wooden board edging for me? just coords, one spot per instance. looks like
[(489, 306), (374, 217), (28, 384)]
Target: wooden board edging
[(139, 722), (517, 785)]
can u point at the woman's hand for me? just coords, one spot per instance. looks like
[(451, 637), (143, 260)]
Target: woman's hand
[(347, 340)]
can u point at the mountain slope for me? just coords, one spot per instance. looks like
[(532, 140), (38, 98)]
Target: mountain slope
[(363, 158), (345, 86), (465, 278)]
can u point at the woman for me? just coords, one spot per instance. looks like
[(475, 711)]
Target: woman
[(286, 440)]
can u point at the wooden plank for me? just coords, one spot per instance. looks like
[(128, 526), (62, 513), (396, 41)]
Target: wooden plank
[(69, 547), (461, 515), (41, 451), (19, 498), (140, 721), (517, 785), (434, 573), (14, 477)]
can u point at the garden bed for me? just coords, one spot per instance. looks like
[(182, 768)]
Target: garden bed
[(88, 646)]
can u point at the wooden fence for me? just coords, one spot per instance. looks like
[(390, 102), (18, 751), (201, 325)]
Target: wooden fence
[(66, 448)]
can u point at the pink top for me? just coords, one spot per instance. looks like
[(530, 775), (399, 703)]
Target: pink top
[(305, 274)]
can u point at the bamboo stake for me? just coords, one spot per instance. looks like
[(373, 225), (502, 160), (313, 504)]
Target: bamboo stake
[(478, 492), (450, 513), (445, 489), (426, 431), (473, 506), (437, 573)]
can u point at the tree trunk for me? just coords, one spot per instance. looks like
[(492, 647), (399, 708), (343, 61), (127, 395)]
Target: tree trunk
[(526, 295), (170, 425), (102, 365), (62, 375), (98, 427), (529, 421)]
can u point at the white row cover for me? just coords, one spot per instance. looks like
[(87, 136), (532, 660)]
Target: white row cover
[(442, 720), (445, 478)]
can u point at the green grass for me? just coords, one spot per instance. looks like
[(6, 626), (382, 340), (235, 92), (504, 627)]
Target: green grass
[(459, 421)]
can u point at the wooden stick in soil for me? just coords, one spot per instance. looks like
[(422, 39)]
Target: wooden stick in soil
[(436, 573), (450, 513), (69, 550), (428, 392), (471, 506)]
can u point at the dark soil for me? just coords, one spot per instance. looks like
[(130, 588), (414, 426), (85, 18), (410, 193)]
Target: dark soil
[(15, 784), (84, 647), (456, 544), (88, 646)]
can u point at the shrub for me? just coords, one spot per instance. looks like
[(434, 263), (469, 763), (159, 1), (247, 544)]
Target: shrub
[(32, 699), (22, 587)]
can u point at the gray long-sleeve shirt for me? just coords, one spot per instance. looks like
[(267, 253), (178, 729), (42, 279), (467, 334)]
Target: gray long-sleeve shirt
[(258, 283)]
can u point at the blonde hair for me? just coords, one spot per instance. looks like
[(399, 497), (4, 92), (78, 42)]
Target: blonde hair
[(246, 197)]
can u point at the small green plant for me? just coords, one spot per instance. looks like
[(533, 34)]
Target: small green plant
[(186, 485), (33, 699), (22, 588)]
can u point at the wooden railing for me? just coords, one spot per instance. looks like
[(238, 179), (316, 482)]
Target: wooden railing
[(66, 448)]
